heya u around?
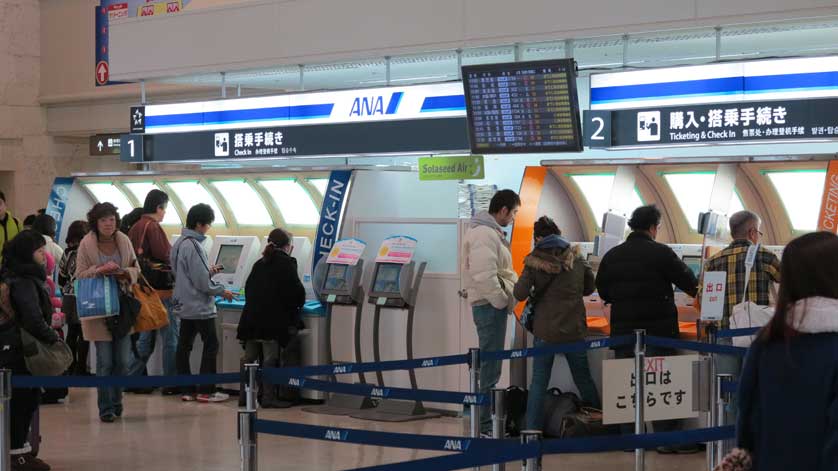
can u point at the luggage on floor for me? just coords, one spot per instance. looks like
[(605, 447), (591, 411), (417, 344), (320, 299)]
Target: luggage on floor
[(557, 406), (516, 410)]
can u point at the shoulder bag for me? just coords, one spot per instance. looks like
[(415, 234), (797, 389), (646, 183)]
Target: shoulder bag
[(527, 318), (158, 274), (747, 314), (153, 314), (45, 359)]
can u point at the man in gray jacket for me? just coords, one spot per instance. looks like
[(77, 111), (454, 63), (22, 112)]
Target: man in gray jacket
[(194, 300)]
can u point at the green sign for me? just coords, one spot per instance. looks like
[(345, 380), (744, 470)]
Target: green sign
[(456, 167)]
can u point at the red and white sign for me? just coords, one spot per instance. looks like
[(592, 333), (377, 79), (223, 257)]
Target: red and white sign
[(102, 73), (147, 10), (172, 7), (713, 295), (347, 252), (117, 10)]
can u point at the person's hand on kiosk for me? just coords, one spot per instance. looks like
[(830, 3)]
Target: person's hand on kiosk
[(216, 269), (227, 295)]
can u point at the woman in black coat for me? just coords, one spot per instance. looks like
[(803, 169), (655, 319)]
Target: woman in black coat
[(271, 316), (26, 305)]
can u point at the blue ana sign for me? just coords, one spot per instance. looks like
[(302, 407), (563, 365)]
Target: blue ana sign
[(328, 230)]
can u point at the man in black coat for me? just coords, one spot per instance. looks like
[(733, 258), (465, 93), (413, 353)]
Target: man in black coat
[(636, 279)]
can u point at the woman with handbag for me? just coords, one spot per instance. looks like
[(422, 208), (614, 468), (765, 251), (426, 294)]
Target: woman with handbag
[(788, 393), (555, 279), (26, 306), (105, 251)]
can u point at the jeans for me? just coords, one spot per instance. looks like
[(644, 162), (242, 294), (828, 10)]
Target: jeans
[(189, 329), (542, 369), (146, 344), (491, 334), (659, 426), (112, 359)]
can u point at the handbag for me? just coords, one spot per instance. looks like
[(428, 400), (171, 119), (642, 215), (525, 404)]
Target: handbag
[(158, 274), (747, 314), (527, 318), (97, 298), (45, 359), (737, 460), (153, 314), (123, 324)]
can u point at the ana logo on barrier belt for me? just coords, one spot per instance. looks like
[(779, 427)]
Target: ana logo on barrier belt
[(296, 382), (430, 363), (457, 445), (342, 369), (380, 392), (595, 344), (336, 435), (519, 353), (470, 399)]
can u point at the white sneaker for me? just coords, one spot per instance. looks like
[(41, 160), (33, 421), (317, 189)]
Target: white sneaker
[(214, 397)]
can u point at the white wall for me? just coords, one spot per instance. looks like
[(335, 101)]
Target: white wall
[(280, 32)]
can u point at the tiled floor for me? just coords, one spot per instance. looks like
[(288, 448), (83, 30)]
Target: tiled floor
[(160, 433)]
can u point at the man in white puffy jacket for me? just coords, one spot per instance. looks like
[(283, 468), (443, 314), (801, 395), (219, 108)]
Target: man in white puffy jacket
[(489, 279)]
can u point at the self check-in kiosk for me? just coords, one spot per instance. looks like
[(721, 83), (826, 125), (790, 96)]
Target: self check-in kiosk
[(337, 282), (395, 285)]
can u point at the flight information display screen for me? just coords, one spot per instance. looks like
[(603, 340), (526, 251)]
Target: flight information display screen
[(523, 107)]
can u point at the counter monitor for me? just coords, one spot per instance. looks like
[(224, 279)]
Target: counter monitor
[(336, 278), (694, 262), (387, 279), (523, 107), (228, 256)]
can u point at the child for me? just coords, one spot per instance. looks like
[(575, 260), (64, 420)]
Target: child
[(66, 278)]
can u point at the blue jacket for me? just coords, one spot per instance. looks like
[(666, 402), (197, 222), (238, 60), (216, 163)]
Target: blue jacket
[(788, 395), (195, 290)]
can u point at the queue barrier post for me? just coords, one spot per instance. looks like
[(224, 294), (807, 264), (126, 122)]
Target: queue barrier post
[(722, 399), (498, 420), (247, 422), (5, 418), (527, 437), (474, 388), (712, 415), (639, 395)]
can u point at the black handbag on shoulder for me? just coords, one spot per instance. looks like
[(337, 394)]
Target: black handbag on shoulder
[(129, 308), (158, 274)]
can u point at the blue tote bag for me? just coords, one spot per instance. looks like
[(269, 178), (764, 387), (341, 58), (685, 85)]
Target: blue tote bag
[(97, 298)]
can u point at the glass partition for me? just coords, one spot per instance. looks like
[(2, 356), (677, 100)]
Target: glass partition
[(141, 189), (801, 192), (320, 183), (106, 192), (293, 201), (244, 203), (596, 188), (191, 193)]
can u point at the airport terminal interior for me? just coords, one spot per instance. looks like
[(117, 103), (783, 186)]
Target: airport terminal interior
[(373, 132)]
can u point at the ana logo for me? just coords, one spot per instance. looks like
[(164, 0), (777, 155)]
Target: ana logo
[(296, 382), (470, 399), (457, 445), (596, 344), (222, 144), (374, 105), (648, 126), (519, 354), (336, 435), (379, 392), (429, 363), (341, 370)]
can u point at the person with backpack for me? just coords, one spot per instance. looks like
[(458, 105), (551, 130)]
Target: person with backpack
[(194, 301), (25, 306), (555, 279), (271, 316), (154, 251), (9, 224), (788, 392), (105, 251), (66, 278)]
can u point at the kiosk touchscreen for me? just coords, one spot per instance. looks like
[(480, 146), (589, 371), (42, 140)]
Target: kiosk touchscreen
[(392, 285), (694, 262), (236, 255), (336, 283)]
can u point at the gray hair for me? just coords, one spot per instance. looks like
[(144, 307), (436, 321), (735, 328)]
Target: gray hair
[(741, 223)]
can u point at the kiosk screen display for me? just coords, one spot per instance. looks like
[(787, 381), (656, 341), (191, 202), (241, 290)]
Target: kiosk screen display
[(387, 279), (336, 278), (229, 256), (694, 263)]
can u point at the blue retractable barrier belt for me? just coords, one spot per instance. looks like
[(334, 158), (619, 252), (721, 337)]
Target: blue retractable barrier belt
[(695, 346), (348, 368), (373, 438), (558, 348), (122, 381), (376, 392), (730, 333)]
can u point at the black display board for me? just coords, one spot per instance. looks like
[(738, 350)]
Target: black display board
[(523, 107)]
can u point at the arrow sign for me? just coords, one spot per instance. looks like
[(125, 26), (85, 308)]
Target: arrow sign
[(102, 73), (100, 145), (105, 144)]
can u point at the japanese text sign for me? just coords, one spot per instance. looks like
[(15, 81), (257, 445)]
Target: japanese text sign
[(668, 391), (396, 249), (713, 295), (347, 252)]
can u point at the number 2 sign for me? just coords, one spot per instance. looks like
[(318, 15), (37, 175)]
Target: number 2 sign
[(597, 127)]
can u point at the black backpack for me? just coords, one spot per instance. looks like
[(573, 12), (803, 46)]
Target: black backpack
[(516, 410)]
